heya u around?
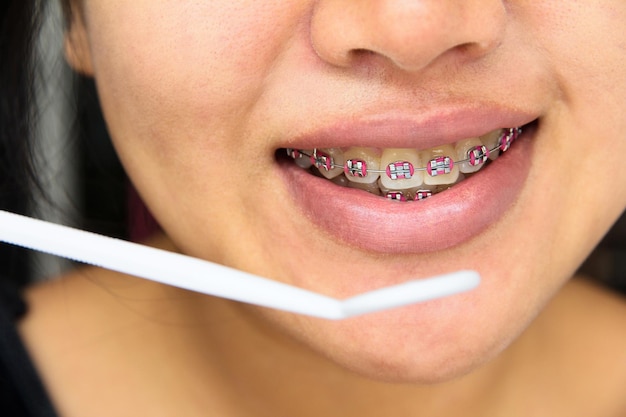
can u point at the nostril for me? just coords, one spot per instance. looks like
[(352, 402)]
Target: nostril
[(407, 35), (362, 52)]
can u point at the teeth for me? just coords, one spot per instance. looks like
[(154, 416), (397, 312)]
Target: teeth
[(490, 140), (440, 166), (300, 158), (405, 174), (396, 196), (393, 194), (360, 159), (422, 194), (507, 138), (400, 172), (329, 161), (463, 150)]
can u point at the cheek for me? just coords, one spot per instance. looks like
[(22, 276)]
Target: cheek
[(181, 68), (584, 44), (177, 80)]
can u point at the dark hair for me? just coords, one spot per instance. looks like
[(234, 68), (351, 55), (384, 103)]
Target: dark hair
[(19, 25), (101, 186)]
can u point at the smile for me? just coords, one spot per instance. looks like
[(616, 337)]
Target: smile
[(451, 192), (404, 174)]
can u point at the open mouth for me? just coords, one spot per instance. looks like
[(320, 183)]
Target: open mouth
[(444, 195), (405, 174)]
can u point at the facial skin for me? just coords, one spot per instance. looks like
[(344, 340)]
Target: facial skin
[(198, 96)]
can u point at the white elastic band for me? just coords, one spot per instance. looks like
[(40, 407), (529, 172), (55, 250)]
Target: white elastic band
[(214, 279)]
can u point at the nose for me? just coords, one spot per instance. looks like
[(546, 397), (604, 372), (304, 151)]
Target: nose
[(410, 34)]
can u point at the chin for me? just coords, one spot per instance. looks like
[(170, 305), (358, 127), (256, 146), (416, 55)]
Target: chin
[(428, 343)]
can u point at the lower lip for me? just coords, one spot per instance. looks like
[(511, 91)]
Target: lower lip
[(375, 224)]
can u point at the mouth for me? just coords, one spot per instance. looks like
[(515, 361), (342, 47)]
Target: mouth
[(405, 174), (406, 200)]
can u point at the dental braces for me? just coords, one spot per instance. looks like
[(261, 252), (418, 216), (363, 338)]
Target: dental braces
[(400, 170)]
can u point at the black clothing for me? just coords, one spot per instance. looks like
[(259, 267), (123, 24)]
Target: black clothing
[(22, 393)]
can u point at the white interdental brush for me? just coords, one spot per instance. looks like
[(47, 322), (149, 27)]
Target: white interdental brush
[(214, 279)]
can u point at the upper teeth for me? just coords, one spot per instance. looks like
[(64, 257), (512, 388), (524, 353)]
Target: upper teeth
[(407, 169)]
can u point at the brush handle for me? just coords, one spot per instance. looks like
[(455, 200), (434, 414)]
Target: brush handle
[(213, 279)]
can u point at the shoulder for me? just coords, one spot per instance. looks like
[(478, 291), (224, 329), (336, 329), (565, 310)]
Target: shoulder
[(89, 328)]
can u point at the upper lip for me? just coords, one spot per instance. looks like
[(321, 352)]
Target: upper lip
[(420, 130)]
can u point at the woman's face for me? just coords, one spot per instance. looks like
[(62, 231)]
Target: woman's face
[(202, 98)]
